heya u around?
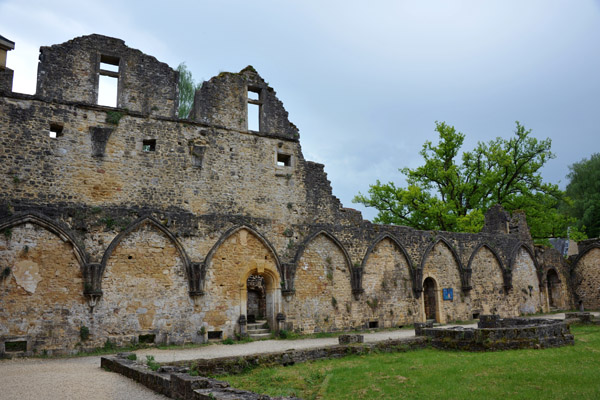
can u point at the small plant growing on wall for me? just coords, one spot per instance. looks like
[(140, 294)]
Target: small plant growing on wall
[(288, 232), (373, 303), (152, 363), (113, 117), (84, 333), (7, 233), (334, 302)]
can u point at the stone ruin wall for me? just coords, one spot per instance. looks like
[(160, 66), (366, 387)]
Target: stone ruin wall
[(129, 242)]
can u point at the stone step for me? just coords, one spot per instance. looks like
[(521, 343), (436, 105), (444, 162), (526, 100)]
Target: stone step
[(257, 325), (258, 331), (260, 335)]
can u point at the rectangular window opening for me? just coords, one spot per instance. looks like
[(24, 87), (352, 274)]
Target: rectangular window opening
[(108, 82), (215, 335), (149, 145), (14, 346), (284, 160), (147, 339), (373, 324), (475, 315), (253, 117), (253, 95), (56, 130)]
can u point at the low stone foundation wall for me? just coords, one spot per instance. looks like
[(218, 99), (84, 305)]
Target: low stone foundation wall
[(173, 379), (581, 318), (494, 333)]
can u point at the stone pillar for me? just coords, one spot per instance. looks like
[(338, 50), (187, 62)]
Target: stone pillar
[(243, 328), (280, 321)]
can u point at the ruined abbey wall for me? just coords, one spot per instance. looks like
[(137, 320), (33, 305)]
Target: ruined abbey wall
[(136, 225)]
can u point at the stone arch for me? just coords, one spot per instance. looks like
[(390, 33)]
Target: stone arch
[(323, 286), (487, 280), (492, 250), (461, 270), (232, 231), (529, 250), (445, 267), (145, 279), (331, 237), (527, 291), (238, 254), (42, 284), (387, 276), (136, 225), (50, 225), (586, 276), (396, 242)]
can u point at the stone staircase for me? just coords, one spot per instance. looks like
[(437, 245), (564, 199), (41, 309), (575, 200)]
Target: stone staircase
[(258, 330)]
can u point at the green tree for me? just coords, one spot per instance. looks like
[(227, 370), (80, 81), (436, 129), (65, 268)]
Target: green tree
[(187, 89), (453, 193), (583, 193)]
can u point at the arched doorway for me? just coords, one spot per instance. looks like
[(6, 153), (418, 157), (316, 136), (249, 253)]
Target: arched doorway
[(429, 299), (256, 307), (261, 294), (554, 292)]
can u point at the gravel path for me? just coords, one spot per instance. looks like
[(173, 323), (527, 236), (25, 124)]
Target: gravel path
[(82, 377)]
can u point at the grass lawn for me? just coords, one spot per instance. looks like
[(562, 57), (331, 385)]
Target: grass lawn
[(568, 372)]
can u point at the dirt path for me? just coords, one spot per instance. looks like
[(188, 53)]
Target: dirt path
[(82, 378)]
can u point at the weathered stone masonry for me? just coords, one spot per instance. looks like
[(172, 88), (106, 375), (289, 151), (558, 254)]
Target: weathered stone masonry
[(140, 226)]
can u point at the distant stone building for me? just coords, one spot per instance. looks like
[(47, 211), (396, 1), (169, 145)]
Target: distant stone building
[(127, 224)]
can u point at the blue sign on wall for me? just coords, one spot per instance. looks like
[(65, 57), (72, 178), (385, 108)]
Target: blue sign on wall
[(448, 293)]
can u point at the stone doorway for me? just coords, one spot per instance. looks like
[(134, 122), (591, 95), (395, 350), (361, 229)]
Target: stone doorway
[(256, 307), (429, 298), (260, 299), (554, 289)]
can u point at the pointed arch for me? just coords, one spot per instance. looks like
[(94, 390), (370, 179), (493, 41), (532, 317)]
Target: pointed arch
[(450, 247), (396, 242), (584, 252), (134, 226), (331, 237), (232, 231), (465, 274), (63, 233), (491, 249), (515, 252)]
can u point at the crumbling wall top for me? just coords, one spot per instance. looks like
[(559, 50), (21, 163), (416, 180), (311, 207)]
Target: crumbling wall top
[(75, 71), (242, 101)]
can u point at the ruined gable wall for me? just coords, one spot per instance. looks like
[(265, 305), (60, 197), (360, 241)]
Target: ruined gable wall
[(206, 177), (69, 72)]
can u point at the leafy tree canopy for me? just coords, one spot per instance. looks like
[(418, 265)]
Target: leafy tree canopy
[(187, 89), (583, 192), (452, 193)]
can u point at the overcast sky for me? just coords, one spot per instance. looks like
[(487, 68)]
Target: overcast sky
[(365, 81)]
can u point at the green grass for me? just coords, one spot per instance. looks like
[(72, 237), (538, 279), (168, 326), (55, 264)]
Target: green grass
[(566, 372)]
